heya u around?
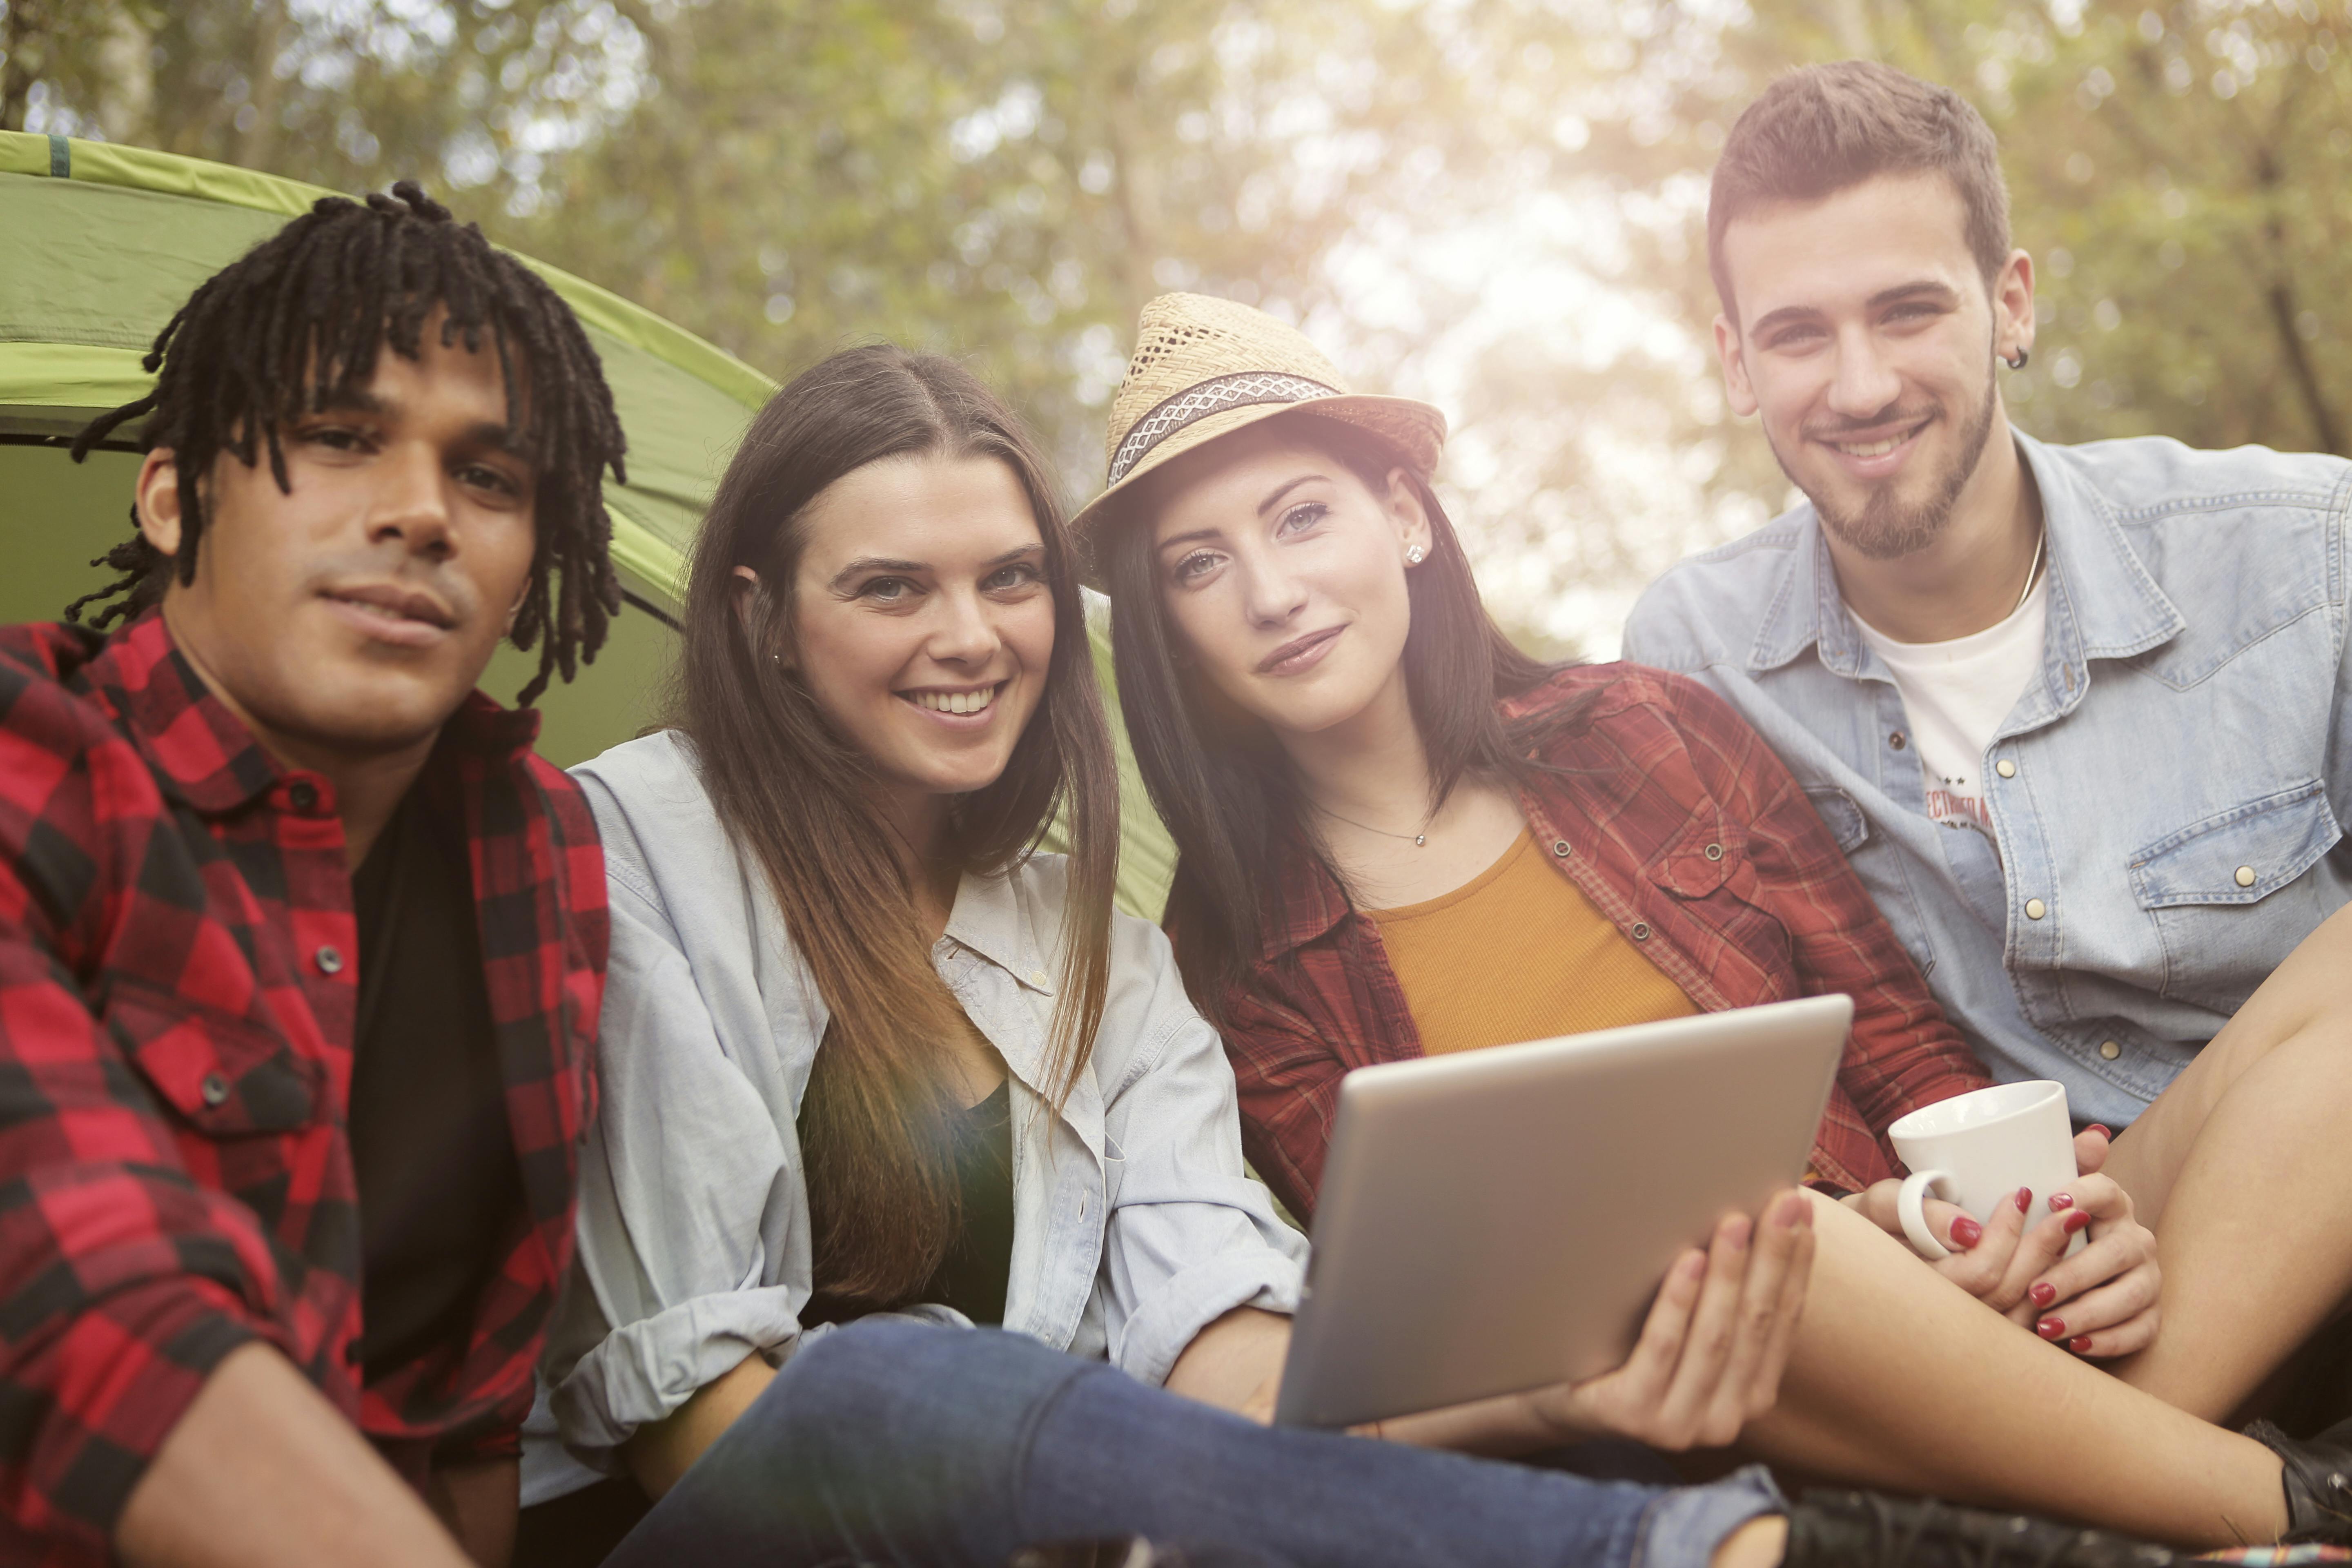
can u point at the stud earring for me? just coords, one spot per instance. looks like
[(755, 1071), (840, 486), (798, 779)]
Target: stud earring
[(1412, 555)]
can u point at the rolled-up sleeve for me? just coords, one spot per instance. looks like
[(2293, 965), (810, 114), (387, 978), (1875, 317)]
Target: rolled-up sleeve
[(1190, 1236), (686, 1207)]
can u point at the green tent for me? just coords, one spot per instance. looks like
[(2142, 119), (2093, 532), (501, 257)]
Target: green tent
[(99, 244)]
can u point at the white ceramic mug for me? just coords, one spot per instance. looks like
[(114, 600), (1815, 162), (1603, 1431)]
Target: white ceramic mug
[(1976, 1150)]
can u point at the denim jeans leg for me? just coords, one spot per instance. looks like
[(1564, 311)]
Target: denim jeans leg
[(903, 1444)]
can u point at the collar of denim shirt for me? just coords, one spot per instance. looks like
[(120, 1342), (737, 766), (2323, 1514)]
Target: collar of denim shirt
[(2102, 602), (991, 919)]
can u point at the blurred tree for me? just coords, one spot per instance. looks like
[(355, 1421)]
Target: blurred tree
[(347, 95), (1008, 180)]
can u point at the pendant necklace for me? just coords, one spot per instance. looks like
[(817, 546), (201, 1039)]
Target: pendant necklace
[(1419, 840), (2032, 570)]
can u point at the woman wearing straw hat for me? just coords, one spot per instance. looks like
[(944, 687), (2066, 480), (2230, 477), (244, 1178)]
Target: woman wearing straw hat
[(1397, 834)]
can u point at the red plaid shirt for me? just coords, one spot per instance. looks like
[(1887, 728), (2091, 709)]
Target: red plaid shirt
[(178, 990), (1686, 831)]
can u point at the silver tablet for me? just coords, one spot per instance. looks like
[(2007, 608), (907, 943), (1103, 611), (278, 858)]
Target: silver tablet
[(1498, 1220)]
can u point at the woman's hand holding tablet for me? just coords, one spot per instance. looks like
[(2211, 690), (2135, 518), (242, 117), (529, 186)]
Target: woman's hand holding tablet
[(1714, 1342)]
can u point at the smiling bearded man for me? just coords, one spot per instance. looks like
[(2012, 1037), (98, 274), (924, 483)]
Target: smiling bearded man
[(301, 946), (2077, 714)]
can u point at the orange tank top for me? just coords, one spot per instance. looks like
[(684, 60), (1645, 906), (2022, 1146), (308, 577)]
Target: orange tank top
[(1519, 952)]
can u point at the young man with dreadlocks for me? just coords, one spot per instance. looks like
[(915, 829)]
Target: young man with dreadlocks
[(300, 947)]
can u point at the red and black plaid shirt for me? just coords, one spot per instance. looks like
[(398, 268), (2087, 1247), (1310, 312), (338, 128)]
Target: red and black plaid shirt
[(1687, 832), (178, 990)]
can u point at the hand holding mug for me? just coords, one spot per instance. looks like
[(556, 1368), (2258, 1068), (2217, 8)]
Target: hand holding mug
[(1981, 1151), (2028, 1257), (2102, 1300)]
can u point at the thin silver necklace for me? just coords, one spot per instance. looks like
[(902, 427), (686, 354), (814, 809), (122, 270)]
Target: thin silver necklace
[(1419, 840), (2033, 571)]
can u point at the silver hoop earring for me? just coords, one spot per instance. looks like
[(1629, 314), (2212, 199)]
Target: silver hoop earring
[(2018, 360), (1413, 556)]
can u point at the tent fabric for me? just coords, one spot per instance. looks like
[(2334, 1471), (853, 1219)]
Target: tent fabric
[(99, 244), (93, 264)]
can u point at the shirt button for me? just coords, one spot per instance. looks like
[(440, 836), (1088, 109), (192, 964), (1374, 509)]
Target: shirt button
[(2245, 876), (1899, 739), (303, 797), (1037, 978), (1560, 846), (1641, 931), (2005, 768), (329, 962), (1715, 851), (2110, 1050), (2035, 908), (215, 1089)]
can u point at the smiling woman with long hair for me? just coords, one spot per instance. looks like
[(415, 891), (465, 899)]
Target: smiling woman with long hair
[(1398, 835), (867, 1050)]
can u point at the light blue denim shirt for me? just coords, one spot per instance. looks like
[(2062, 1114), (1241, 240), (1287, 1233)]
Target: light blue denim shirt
[(2169, 821), (1134, 1223)]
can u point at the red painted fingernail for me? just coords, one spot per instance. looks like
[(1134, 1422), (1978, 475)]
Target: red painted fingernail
[(2077, 1221), (2061, 1200), (2024, 1199), (2051, 1327), (2079, 1343), (2100, 1128), (2043, 1293), (1966, 1233)]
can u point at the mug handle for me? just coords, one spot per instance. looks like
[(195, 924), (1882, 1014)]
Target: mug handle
[(1910, 1207)]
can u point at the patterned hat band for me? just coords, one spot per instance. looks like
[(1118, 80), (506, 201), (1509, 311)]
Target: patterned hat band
[(1214, 395)]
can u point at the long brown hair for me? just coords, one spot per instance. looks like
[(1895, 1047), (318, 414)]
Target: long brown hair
[(1225, 787), (794, 794)]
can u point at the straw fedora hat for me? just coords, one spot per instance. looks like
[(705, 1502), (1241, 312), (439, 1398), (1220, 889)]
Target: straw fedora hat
[(1205, 368)]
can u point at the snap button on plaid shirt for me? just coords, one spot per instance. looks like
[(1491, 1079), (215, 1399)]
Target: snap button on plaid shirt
[(1678, 821), (178, 990)]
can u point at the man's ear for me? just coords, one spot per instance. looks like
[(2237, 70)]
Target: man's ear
[(1411, 518), (2012, 305), (156, 499), (1736, 387)]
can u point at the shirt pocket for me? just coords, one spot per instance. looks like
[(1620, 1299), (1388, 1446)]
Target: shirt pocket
[(226, 1075), (2209, 887), (1840, 813), (1708, 854), (1114, 1165)]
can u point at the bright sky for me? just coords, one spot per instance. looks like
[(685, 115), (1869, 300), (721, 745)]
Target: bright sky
[(1569, 566)]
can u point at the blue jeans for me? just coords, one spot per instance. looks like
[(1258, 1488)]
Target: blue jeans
[(905, 1444)]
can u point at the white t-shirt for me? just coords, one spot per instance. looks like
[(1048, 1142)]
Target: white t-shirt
[(1957, 693)]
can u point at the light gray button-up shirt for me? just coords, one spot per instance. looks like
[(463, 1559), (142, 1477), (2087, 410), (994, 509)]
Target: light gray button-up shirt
[(1134, 1223), (2168, 795)]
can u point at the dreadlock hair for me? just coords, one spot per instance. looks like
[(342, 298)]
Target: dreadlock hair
[(300, 319)]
